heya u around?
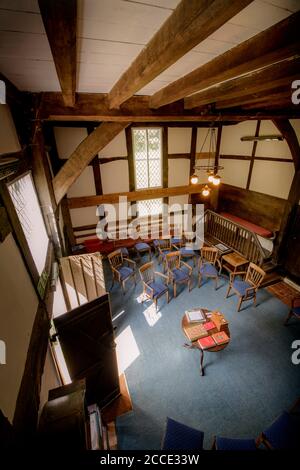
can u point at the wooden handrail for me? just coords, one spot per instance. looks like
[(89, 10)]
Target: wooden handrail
[(235, 236)]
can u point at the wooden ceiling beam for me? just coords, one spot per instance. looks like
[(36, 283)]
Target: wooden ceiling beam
[(83, 155), (261, 96), (276, 43), (288, 132), (60, 21), (94, 107), (190, 23), (279, 74)]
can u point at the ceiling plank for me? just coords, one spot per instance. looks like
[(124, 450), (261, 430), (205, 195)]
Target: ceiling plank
[(261, 96), (60, 21), (83, 155), (94, 107), (276, 43), (190, 23), (279, 74)]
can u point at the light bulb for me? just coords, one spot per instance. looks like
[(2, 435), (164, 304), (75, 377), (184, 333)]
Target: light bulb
[(205, 191), (210, 177), (194, 179), (216, 180)]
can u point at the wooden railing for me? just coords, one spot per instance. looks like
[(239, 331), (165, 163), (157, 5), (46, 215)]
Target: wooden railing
[(234, 236)]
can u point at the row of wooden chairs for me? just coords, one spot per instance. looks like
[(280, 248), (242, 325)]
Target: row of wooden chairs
[(155, 284)]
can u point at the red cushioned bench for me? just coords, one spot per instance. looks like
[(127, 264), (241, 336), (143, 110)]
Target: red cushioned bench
[(263, 232)]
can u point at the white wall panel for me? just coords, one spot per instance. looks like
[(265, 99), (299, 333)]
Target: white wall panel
[(235, 172), (179, 139), (84, 216), (231, 143), (273, 148), (116, 148), (272, 178), (179, 171), (68, 139), (115, 177), (84, 185), (296, 125)]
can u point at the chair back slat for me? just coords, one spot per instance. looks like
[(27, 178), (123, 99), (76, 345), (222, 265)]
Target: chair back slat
[(173, 260), (255, 275), (147, 272), (209, 254), (115, 258)]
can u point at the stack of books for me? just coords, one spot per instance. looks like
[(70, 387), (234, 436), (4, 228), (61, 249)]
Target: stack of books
[(195, 331), (195, 315), (219, 320), (215, 339)]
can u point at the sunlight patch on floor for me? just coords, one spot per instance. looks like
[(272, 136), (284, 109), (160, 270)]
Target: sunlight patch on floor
[(152, 316), (127, 349)]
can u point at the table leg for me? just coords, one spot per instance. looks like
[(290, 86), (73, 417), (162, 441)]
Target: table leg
[(201, 362)]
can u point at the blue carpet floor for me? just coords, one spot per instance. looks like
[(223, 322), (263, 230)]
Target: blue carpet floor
[(245, 386)]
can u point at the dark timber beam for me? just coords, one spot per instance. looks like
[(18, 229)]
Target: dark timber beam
[(60, 21), (190, 23), (279, 74), (83, 155), (256, 98), (93, 107), (276, 43)]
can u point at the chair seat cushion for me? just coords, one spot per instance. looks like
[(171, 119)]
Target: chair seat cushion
[(241, 286), (208, 270), (296, 311), (178, 436), (165, 252), (180, 275), (175, 240), (124, 251), (125, 272), (158, 288), (158, 242), (142, 246), (283, 432), (224, 443), (187, 252)]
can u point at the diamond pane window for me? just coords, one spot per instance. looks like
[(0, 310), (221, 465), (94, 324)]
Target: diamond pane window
[(149, 207), (147, 148)]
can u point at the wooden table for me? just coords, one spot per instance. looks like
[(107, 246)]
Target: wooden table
[(232, 261), (194, 344)]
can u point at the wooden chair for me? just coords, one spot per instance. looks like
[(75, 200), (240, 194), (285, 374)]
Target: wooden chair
[(246, 288), (185, 251), (153, 288), (163, 249), (141, 248), (295, 310), (121, 273), (207, 265), (176, 273)]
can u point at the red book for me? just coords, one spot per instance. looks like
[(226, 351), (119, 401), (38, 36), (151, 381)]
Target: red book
[(209, 325), (206, 343)]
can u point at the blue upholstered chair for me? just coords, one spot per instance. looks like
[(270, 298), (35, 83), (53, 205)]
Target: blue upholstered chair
[(141, 248), (284, 433), (225, 443), (122, 268), (156, 244), (163, 249), (207, 265), (124, 252), (246, 288), (178, 271), (177, 242), (295, 310), (186, 251), (179, 436), (153, 287)]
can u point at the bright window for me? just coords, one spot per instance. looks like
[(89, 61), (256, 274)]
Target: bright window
[(147, 149), (27, 206)]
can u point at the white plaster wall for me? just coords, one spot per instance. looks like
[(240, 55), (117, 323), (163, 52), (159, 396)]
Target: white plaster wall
[(231, 143), (273, 148), (203, 139), (179, 139), (272, 178), (296, 125), (116, 148), (179, 171), (67, 139), (9, 141), (235, 172), (19, 305), (84, 216), (84, 185), (115, 177), (50, 379), (181, 200)]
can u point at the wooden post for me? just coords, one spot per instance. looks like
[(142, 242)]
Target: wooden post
[(253, 155)]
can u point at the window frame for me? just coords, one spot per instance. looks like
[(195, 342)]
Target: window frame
[(161, 156)]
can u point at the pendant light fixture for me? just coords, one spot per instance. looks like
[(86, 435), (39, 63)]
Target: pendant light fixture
[(212, 166), (205, 191)]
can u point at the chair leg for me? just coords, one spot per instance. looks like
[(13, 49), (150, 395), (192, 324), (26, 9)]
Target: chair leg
[(123, 287), (190, 285), (199, 280), (155, 303), (290, 314), (168, 296), (254, 300), (228, 290), (174, 289), (240, 303)]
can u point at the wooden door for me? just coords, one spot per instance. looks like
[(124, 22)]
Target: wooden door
[(292, 252), (87, 340)]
